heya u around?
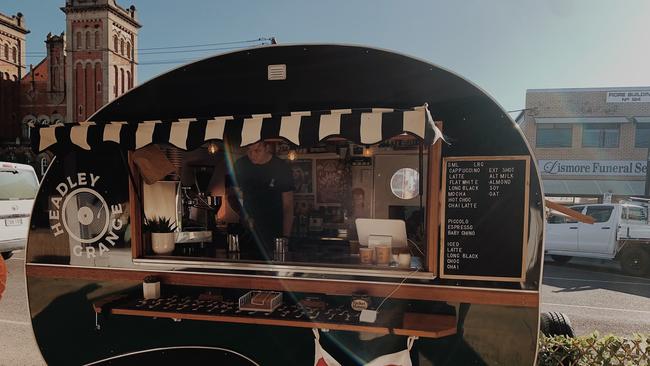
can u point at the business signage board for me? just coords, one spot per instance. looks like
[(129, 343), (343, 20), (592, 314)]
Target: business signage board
[(628, 168), (632, 96)]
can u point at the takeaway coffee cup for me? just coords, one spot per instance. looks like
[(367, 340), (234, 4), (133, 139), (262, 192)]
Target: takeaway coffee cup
[(366, 255), (404, 260), (383, 254)]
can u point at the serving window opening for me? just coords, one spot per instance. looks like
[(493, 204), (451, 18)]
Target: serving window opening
[(333, 206)]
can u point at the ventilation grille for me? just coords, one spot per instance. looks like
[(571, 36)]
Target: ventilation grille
[(277, 72)]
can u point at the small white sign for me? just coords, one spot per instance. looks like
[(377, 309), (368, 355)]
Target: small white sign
[(593, 167), (633, 96)]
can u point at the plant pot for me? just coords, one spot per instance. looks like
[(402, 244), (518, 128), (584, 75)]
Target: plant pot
[(163, 243)]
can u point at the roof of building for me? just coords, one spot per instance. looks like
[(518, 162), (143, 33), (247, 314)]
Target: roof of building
[(602, 89), (15, 22)]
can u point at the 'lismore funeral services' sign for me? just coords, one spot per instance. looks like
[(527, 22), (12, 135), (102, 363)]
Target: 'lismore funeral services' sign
[(593, 167)]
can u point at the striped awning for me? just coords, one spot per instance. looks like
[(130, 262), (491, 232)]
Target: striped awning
[(304, 129)]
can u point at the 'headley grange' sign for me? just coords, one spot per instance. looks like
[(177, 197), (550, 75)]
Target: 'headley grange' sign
[(593, 167)]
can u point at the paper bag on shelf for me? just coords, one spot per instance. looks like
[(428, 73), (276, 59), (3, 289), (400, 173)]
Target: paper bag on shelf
[(153, 164)]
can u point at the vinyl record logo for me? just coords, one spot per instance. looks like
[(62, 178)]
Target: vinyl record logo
[(83, 213)]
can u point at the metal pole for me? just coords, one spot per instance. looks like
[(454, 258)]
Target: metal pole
[(647, 173)]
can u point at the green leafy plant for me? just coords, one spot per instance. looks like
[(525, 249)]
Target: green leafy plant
[(159, 225), (594, 350)]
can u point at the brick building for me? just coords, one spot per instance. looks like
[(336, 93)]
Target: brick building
[(12, 68), (93, 62), (590, 143)]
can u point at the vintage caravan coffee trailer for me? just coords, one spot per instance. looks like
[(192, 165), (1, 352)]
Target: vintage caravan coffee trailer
[(289, 205)]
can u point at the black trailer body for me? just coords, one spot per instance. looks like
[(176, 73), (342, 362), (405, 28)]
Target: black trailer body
[(473, 208)]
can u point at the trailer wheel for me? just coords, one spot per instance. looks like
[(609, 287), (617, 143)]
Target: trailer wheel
[(7, 255), (554, 323), (561, 259), (635, 261)]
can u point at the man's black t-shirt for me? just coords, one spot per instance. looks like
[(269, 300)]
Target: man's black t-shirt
[(262, 187)]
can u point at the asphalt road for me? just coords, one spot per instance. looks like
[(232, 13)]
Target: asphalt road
[(17, 343), (594, 294), (597, 296)]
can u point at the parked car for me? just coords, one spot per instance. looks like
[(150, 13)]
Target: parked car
[(620, 232), (18, 187)]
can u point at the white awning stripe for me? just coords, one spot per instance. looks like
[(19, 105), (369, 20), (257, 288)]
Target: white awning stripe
[(178, 133), (415, 122), (215, 127), (252, 130), (370, 128), (47, 137), (362, 126), (290, 128), (144, 133), (79, 135), (330, 125), (112, 131)]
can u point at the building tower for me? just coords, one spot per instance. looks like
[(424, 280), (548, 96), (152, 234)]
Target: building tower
[(101, 48)]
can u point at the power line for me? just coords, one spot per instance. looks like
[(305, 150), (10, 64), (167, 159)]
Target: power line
[(203, 50), (180, 61), (261, 39)]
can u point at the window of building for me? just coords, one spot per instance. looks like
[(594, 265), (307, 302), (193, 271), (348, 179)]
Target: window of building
[(96, 39), (122, 79), (115, 43), (128, 79), (116, 80), (600, 134), (7, 52), (642, 135), (554, 135), (78, 40), (122, 47), (99, 86), (128, 50), (14, 54), (88, 40)]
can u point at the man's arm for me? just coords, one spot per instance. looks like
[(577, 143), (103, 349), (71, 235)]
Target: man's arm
[(287, 213)]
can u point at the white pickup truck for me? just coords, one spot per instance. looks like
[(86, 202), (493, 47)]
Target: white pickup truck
[(620, 232)]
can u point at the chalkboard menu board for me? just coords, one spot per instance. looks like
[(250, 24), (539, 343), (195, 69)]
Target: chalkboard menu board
[(485, 213)]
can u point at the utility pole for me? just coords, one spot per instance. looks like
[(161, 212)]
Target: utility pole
[(647, 174)]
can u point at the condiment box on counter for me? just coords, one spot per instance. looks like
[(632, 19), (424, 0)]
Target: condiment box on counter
[(265, 301)]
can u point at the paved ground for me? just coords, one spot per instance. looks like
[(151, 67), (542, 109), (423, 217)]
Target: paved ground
[(594, 294), (597, 296), (17, 344)]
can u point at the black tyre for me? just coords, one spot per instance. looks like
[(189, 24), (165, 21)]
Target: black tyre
[(561, 259), (7, 255), (554, 323), (635, 261)]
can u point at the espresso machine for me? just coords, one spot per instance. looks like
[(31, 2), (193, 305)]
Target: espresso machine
[(198, 207)]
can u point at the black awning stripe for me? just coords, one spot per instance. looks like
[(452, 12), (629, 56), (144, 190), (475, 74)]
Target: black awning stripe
[(366, 127)]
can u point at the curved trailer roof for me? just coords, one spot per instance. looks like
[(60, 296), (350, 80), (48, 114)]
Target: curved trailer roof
[(318, 78)]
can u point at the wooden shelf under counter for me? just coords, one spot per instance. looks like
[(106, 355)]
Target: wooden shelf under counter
[(388, 321)]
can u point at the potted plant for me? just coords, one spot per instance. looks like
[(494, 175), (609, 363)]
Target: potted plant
[(163, 236)]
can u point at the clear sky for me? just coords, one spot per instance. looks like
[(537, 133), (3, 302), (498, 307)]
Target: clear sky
[(504, 46)]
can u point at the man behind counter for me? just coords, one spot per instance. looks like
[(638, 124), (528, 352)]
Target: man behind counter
[(264, 186)]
